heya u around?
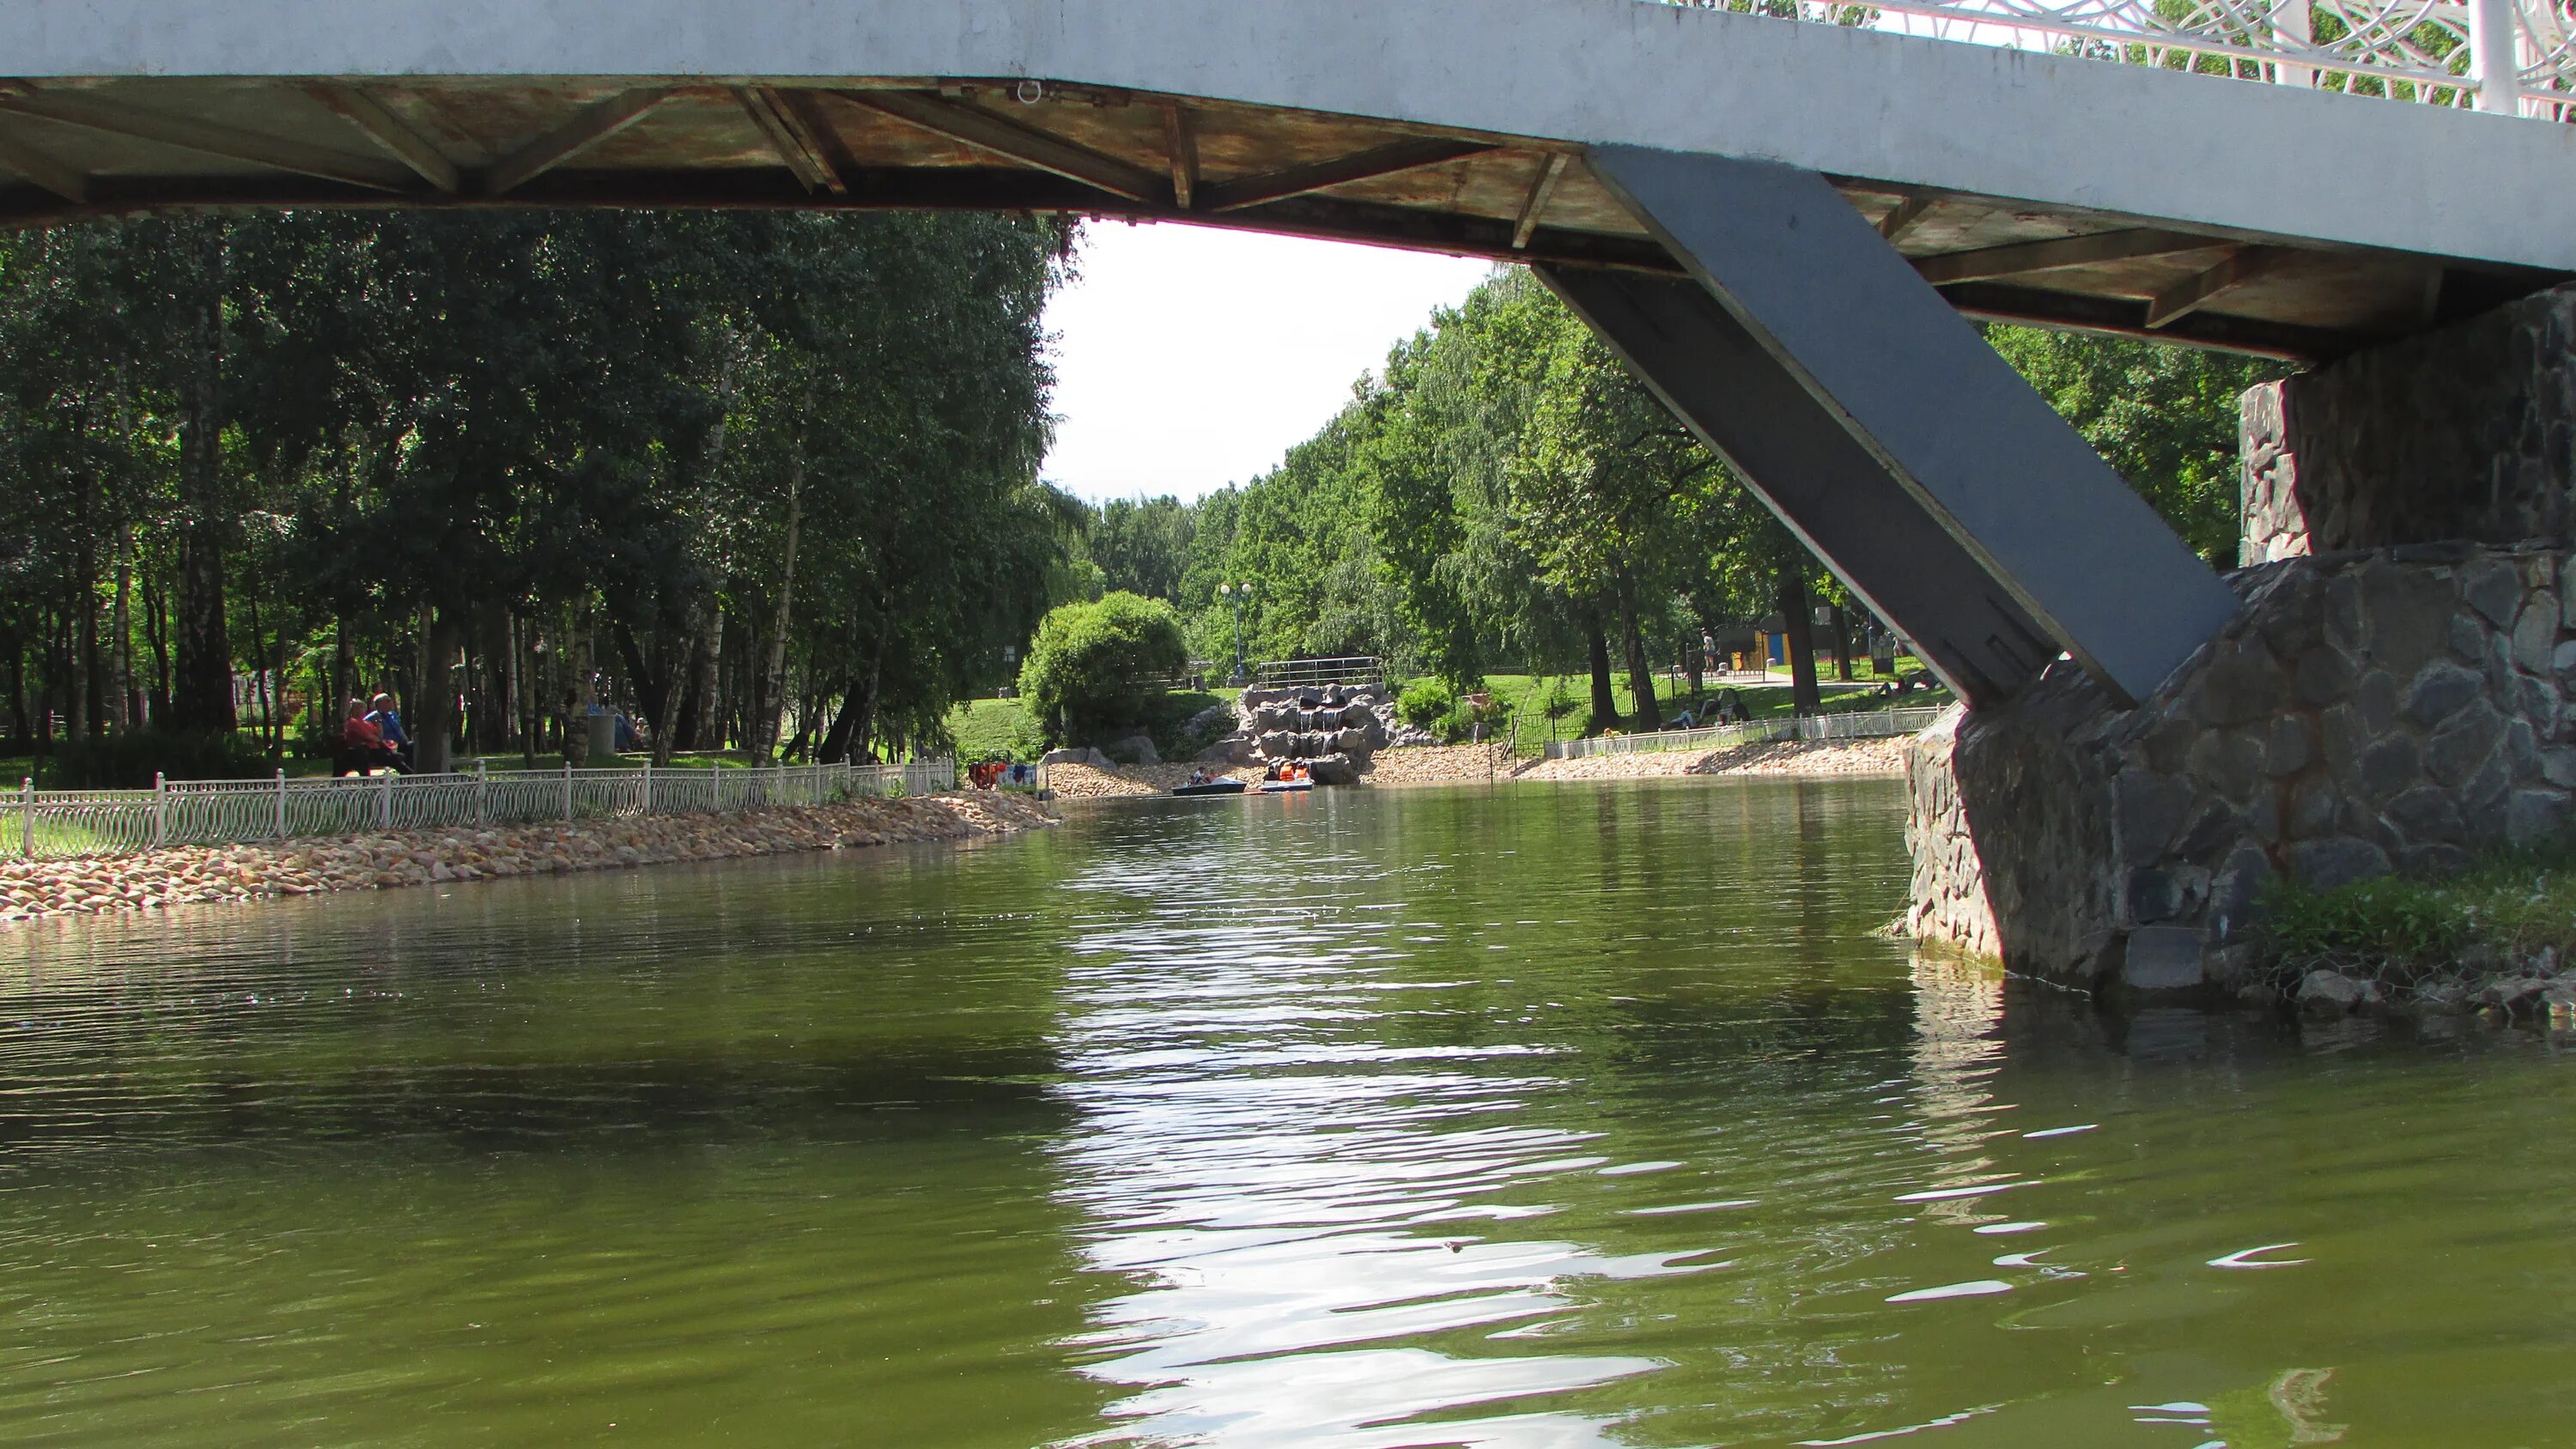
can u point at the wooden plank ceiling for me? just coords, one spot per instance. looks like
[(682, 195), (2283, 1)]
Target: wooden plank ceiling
[(71, 149)]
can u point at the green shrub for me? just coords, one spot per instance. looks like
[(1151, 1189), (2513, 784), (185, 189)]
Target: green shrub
[(128, 761), (1425, 703), (1098, 667)]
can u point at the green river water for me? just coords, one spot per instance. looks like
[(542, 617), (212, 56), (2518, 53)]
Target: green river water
[(1541, 1116)]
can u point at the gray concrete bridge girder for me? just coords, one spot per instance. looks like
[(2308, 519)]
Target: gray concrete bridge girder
[(1885, 431)]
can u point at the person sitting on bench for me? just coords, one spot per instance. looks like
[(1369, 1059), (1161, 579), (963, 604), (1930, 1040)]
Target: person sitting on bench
[(362, 744), (388, 723)]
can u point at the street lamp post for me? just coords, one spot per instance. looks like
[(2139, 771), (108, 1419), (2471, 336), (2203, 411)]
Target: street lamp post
[(1236, 594)]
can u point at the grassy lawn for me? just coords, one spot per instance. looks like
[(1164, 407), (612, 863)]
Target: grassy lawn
[(986, 728), (1562, 702)]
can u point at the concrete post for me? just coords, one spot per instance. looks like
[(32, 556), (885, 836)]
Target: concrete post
[(385, 800), (482, 788), (567, 790), (647, 789), (2493, 59), (160, 809), (2290, 23), (281, 802), (27, 816)]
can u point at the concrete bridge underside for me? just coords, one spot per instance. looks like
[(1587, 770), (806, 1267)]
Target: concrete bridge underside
[(1778, 224)]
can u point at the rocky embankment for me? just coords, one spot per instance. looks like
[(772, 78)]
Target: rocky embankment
[(1469, 764), (209, 874)]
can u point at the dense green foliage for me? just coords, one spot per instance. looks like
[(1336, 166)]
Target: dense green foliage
[(2517, 903), (1098, 666), (742, 477)]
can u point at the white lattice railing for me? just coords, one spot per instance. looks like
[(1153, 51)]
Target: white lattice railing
[(63, 824), (1855, 725), (2513, 57)]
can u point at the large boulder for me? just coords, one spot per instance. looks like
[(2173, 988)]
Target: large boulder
[(1080, 755), (1138, 747), (1273, 744), (1334, 770), (1350, 741), (1357, 713), (1236, 749)]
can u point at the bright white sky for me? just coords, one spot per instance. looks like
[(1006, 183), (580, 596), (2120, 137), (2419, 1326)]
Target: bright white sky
[(1188, 358)]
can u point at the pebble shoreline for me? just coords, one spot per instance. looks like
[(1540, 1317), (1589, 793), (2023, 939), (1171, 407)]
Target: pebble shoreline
[(1474, 764), (194, 875)]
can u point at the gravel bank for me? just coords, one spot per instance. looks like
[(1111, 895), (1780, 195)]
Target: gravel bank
[(208, 874), (1780, 757), (1442, 765)]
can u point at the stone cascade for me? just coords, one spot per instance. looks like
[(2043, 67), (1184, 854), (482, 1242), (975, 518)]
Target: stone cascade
[(1332, 730), (2396, 709)]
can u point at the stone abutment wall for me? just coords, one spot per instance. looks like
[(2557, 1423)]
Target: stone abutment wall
[(2465, 433), (2399, 692), (2391, 709)]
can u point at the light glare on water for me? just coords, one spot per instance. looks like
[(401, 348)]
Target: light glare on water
[(1531, 1118)]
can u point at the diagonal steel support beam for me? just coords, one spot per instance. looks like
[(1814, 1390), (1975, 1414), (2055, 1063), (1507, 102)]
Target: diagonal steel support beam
[(1841, 383), (1821, 482)]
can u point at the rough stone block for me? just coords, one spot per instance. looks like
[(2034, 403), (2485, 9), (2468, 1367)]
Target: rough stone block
[(2162, 958), (2293, 745), (2464, 743), (2409, 613), (2468, 639), (2494, 589), (2229, 764), (2236, 895), (2535, 636), (2388, 767), (2322, 677), (1333, 770), (2322, 865), (2241, 683), (2439, 690), (2427, 814), (2558, 766), (2149, 808), (2535, 815)]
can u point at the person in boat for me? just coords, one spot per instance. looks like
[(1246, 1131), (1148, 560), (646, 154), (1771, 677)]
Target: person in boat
[(1200, 776)]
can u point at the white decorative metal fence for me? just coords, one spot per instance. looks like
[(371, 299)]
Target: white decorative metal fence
[(1293, 673), (2504, 56), (1854, 725), (65, 824)]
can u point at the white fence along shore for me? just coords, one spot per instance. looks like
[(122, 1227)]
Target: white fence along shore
[(67, 824), (1855, 725)]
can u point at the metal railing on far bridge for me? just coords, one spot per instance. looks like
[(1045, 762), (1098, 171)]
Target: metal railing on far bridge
[(67, 824), (1856, 725)]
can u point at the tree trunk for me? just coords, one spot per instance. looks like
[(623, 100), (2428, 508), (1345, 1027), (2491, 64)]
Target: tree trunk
[(433, 717), (836, 740), (156, 632), (1794, 611), (1842, 645), (1641, 670), (202, 698), (1605, 702), (701, 721), (120, 631), (773, 685), (82, 696)]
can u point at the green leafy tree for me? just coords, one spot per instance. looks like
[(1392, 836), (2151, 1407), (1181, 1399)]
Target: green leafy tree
[(1096, 667)]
